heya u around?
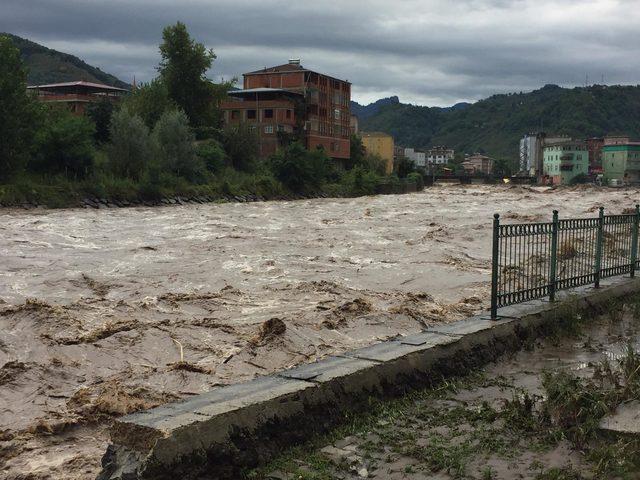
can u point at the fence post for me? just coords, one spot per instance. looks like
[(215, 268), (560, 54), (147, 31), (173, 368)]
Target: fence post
[(494, 266), (599, 240), (634, 242), (554, 256)]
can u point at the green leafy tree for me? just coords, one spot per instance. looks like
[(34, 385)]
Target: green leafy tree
[(17, 111), (357, 152), (183, 70), (241, 144), (100, 112), (299, 169), (212, 154), (176, 150), (64, 144), (404, 167), (130, 149), (149, 101)]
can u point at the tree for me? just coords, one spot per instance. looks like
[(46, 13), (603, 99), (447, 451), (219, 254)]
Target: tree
[(182, 69), (241, 144), (212, 154), (149, 101), (175, 146), (64, 144), (358, 152), (131, 148), (100, 112), (299, 169), (404, 167), (17, 111)]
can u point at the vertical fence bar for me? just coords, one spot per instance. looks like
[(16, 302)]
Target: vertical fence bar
[(494, 266), (634, 242), (554, 257), (599, 240)]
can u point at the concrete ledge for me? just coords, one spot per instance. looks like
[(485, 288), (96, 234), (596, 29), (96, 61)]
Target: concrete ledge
[(218, 433)]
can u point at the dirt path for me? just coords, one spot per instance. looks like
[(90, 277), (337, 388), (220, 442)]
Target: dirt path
[(103, 312)]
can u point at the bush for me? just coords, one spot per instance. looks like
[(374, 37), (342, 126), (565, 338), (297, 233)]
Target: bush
[(64, 144), (212, 154), (299, 169), (359, 181), (131, 147), (579, 179), (241, 144), (416, 178), (176, 151)]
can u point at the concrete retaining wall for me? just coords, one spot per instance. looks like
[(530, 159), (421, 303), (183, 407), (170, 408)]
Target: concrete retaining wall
[(216, 434)]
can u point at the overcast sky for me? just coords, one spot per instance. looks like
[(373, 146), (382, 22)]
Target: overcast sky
[(428, 52)]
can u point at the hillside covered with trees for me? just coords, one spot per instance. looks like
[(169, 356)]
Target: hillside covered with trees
[(496, 124), (45, 65)]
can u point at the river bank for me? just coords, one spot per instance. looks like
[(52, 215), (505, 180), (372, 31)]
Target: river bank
[(544, 413)]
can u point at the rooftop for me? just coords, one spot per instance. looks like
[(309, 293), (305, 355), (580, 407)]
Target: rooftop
[(78, 84), (289, 67)]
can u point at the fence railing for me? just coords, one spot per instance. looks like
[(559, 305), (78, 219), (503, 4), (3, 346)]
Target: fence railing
[(535, 260)]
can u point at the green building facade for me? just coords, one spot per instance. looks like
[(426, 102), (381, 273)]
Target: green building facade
[(621, 162), (563, 161)]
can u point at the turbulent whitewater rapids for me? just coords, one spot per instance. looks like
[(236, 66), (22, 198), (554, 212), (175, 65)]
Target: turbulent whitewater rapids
[(110, 311)]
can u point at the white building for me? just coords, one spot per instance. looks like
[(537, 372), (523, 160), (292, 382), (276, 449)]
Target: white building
[(440, 155), (418, 158)]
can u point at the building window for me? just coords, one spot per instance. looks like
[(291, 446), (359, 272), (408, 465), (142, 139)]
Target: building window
[(251, 114), (268, 113), (268, 129), (336, 114), (281, 128), (235, 114), (288, 113)]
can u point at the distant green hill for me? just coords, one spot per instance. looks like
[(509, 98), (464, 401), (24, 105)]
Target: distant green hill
[(45, 65), (495, 125)]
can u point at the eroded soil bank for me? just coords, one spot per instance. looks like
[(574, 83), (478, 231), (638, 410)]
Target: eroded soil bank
[(104, 312), (528, 416)]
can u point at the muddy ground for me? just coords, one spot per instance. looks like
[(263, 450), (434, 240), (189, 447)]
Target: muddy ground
[(104, 312), (488, 425)]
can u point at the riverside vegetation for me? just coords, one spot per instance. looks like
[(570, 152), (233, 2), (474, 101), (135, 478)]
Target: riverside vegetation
[(165, 139)]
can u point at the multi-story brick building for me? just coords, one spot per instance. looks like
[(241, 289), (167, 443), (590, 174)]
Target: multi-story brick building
[(319, 107)]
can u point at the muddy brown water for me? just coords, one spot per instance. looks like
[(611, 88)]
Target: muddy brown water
[(104, 312)]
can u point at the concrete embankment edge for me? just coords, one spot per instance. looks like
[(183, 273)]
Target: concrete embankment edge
[(216, 434)]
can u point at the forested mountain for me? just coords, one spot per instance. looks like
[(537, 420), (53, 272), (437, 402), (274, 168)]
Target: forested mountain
[(45, 65), (366, 111), (495, 125)]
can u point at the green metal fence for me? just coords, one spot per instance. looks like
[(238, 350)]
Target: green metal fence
[(535, 260)]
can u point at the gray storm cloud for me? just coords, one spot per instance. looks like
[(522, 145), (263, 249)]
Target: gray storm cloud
[(431, 52)]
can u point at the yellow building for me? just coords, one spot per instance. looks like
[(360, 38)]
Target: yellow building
[(380, 144)]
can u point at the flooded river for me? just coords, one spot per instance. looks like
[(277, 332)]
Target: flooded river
[(103, 312)]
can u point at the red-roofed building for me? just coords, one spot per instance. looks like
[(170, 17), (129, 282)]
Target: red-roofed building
[(76, 95), (272, 97)]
